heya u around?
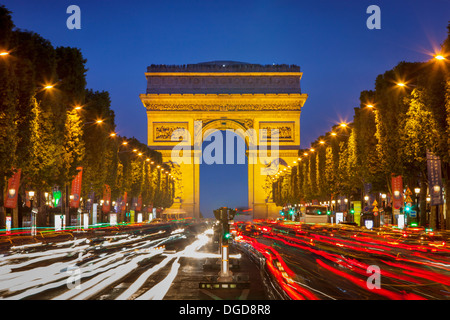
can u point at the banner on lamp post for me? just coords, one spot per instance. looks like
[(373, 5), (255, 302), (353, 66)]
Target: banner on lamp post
[(397, 191), (106, 207), (434, 178), (76, 189), (12, 192)]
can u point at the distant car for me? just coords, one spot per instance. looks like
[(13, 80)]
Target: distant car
[(249, 229), (314, 214), (157, 220)]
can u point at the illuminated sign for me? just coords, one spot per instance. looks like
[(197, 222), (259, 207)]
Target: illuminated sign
[(56, 198)]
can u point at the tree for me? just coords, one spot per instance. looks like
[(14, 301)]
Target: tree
[(348, 174), (49, 133), (417, 136), (45, 155), (101, 150), (8, 113), (390, 109)]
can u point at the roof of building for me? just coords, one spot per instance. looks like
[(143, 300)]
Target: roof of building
[(224, 66)]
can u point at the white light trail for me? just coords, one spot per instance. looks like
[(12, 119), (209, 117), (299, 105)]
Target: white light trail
[(158, 291), (102, 272)]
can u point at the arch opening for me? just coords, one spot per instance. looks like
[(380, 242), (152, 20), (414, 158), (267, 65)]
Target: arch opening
[(223, 182)]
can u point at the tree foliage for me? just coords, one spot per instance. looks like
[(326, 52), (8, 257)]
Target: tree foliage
[(49, 133)]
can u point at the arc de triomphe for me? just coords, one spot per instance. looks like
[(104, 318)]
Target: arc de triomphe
[(225, 95)]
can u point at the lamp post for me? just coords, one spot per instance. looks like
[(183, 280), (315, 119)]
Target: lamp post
[(366, 198), (102, 218), (417, 192), (33, 213), (47, 218), (383, 205)]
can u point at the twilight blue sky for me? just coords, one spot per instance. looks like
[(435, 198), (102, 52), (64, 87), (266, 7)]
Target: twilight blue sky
[(338, 55)]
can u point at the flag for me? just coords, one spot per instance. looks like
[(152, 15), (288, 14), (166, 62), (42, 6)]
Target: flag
[(434, 178), (397, 191), (106, 207), (76, 189), (13, 190)]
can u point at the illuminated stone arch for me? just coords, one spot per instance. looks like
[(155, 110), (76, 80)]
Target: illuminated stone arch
[(225, 95)]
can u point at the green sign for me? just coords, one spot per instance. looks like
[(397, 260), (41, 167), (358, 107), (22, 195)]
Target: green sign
[(56, 198)]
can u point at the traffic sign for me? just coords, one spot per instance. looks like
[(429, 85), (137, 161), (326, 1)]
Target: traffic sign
[(413, 214)]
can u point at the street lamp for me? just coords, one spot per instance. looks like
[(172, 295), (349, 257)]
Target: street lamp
[(31, 196), (417, 191), (99, 121), (403, 85), (4, 53)]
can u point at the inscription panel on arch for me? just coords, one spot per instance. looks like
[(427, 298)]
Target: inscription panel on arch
[(286, 130), (162, 131)]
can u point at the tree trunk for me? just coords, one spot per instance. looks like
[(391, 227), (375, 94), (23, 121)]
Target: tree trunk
[(433, 217), (2, 208)]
